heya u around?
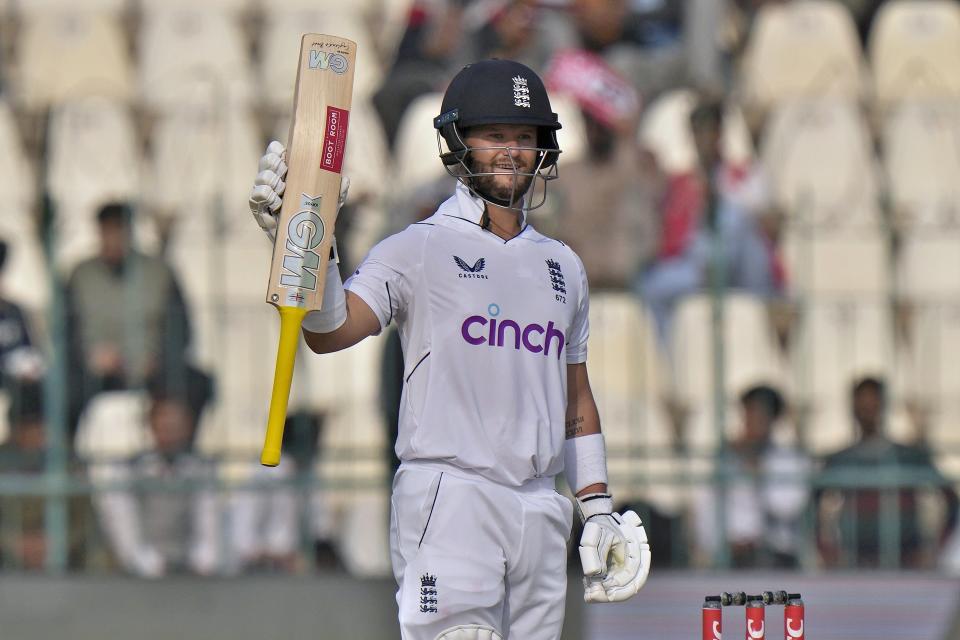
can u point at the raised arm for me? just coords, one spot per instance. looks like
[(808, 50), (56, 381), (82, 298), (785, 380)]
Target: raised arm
[(360, 323)]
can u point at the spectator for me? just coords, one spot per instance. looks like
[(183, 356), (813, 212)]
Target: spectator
[(606, 205), (852, 531), (156, 529), (506, 29), (426, 59), (717, 198), (266, 519), (643, 42), (127, 319), (23, 536), (20, 360), (766, 491)]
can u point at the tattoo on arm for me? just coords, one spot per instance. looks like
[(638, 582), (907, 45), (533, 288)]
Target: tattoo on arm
[(574, 426)]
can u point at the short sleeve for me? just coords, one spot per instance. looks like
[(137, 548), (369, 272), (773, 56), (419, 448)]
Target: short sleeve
[(383, 279), (580, 327)]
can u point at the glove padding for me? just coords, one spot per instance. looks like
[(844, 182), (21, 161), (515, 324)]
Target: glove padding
[(615, 556), (268, 187)]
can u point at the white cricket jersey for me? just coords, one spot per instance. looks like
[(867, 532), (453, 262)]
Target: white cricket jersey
[(488, 327)]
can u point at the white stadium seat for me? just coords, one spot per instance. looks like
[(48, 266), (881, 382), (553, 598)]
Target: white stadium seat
[(20, 191), (820, 161), (67, 54), (25, 277), (226, 6), (750, 349), (277, 68), (835, 342), (415, 151), (93, 158), (665, 130), (915, 50), (193, 55), (934, 347), (572, 137), (626, 372), (202, 164), (801, 50), (32, 7), (928, 265), (827, 263), (113, 426), (921, 156)]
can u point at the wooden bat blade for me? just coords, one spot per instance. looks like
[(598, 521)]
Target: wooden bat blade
[(315, 149)]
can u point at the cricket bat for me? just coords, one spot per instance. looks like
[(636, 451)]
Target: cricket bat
[(315, 149)]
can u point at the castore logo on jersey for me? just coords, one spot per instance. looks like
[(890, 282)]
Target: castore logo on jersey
[(471, 272)]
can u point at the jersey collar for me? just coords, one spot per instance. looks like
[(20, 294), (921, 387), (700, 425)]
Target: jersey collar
[(472, 207)]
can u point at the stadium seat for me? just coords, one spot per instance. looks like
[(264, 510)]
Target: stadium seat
[(626, 373), (93, 157), (69, 54), (820, 160), (928, 265), (26, 279), (225, 6), (4, 415), (835, 342), (914, 49), (201, 169), (921, 156), (802, 50), (113, 426), (32, 7), (415, 152), (280, 43), (834, 264), (572, 137), (750, 350), (665, 130), (25, 276), (19, 179), (934, 345), (192, 56)]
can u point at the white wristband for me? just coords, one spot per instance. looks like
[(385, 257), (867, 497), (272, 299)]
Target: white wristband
[(333, 312), (585, 461), (594, 504)]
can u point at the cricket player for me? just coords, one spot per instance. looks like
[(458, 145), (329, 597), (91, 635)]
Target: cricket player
[(492, 316)]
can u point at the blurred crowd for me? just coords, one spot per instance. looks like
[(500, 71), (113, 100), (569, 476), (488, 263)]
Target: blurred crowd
[(760, 191)]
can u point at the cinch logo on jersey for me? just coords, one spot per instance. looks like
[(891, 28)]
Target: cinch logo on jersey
[(323, 60), (304, 234), (471, 272), (493, 332)]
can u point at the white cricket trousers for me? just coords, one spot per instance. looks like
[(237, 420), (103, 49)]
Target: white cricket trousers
[(468, 551)]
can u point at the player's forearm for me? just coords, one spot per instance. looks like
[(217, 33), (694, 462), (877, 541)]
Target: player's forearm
[(360, 323), (583, 418)]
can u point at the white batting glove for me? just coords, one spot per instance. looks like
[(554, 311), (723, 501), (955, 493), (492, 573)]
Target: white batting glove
[(614, 551), (268, 187)]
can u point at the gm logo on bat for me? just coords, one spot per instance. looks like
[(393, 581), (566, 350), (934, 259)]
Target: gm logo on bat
[(323, 60), (305, 232)]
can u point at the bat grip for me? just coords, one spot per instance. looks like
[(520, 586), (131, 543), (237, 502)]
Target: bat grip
[(290, 321)]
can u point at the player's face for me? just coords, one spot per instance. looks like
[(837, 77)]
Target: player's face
[(506, 151)]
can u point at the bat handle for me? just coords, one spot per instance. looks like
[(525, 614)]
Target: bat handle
[(290, 320)]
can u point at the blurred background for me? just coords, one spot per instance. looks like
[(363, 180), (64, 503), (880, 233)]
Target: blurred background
[(766, 197)]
